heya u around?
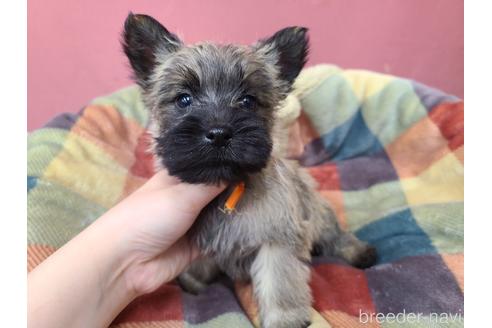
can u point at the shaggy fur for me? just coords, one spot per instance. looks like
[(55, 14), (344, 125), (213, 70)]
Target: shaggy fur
[(280, 219)]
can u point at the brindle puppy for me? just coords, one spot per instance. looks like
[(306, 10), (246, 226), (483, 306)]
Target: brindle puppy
[(213, 120)]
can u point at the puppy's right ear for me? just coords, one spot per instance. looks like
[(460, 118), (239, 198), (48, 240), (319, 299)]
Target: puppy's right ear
[(144, 39), (289, 47)]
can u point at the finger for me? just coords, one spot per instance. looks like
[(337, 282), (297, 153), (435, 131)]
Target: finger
[(161, 179), (176, 258), (196, 196)]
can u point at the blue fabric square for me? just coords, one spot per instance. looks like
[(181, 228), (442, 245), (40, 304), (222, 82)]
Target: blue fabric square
[(396, 236), (64, 121), (430, 97), (31, 182), (352, 138)]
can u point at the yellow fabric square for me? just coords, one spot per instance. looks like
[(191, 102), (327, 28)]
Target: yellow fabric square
[(88, 170), (460, 154), (440, 183), (365, 84), (310, 78)]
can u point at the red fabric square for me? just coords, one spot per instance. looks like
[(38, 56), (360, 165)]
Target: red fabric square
[(450, 117), (342, 288), (162, 305), (144, 160), (326, 176)]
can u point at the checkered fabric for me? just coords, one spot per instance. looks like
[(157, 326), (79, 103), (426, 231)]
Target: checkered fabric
[(387, 152)]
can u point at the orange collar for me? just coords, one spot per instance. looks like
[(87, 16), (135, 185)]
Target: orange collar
[(231, 202)]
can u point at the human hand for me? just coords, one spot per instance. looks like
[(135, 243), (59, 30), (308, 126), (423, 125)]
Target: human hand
[(132, 249), (152, 223)]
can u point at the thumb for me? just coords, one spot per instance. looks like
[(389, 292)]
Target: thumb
[(197, 196)]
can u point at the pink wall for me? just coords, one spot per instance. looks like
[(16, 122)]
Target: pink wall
[(74, 53)]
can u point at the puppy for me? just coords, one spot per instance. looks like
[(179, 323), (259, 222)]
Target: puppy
[(212, 117)]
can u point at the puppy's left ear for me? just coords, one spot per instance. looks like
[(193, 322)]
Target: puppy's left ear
[(289, 48)]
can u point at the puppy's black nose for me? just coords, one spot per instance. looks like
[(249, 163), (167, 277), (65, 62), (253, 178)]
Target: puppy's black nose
[(218, 136)]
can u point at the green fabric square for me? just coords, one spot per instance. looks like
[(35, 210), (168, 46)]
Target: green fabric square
[(437, 320), (42, 147), (56, 214), (331, 104), (393, 110), (443, 223), (368, 205)]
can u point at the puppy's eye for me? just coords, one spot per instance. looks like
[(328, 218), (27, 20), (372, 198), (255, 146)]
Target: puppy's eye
[(184, 100), (247, 102)]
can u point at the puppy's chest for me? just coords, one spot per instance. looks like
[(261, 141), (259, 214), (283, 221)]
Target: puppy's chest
[(261, 216)]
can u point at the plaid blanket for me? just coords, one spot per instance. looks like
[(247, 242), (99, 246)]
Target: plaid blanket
[(386, 152)]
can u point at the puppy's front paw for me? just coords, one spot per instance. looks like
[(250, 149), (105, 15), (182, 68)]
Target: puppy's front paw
[(190, 284), (366, 258), (288, 318)]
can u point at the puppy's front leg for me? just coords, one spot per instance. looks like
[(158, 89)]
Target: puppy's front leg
[(281, 286)]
